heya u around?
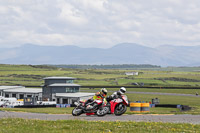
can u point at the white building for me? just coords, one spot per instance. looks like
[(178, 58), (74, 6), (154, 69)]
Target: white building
[(20, 92), (132, 73)]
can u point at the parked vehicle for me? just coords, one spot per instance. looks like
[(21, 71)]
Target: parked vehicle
[(10, 102), (97, 107), (118, 106)]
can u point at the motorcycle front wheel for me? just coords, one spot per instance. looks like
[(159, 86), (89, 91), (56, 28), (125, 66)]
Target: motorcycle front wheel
[(77, 111), (120, 109), (102, 111)]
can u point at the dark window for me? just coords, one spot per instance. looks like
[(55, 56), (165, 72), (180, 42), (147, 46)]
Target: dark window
[(29, 95), (58, 101), (14, 95), (54, 99), (65, 101), (6, 95), (0, 93), (21, 96)]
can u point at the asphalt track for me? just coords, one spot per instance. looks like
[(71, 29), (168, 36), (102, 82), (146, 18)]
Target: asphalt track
[(193, 119)]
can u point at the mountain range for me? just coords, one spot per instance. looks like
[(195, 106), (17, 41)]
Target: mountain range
[(124, 53)]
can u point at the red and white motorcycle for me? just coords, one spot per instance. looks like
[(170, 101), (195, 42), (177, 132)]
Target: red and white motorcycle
[(118, 106)]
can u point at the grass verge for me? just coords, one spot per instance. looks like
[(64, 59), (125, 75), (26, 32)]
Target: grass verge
[(74, 126)]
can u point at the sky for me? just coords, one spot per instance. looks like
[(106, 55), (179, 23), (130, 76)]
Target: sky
[(99, 23)]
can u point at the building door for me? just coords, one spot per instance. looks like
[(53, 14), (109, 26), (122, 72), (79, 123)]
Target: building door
[(65, 101)]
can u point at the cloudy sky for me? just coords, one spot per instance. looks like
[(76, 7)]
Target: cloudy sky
[(99, 23)]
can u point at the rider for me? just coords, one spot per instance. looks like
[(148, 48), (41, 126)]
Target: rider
[(100, 95), (117, 94)]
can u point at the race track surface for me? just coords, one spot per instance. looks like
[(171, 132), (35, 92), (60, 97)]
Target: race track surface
[(193, 119)]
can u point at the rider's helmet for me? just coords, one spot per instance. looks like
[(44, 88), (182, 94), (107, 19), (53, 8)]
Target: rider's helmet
[(122, 90), (103, 91)]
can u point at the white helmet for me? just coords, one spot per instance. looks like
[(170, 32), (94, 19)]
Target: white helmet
[(122, 90)]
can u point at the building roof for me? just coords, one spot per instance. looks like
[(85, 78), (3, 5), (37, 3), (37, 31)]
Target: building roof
[(10, 87), (77, 94), (59, 78), (25, 90), (62, 84)]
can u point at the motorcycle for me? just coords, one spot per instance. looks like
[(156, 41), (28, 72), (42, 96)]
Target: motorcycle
[(99, 108), (118, 106)]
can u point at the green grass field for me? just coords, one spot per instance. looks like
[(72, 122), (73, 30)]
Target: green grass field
[(30, 75), (75, 126)]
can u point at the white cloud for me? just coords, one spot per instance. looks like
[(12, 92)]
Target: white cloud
[(99, 23)]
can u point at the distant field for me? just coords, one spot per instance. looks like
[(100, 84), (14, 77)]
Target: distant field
[(30, 75)]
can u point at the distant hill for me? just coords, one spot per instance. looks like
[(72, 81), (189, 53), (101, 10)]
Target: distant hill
[(125, 53)]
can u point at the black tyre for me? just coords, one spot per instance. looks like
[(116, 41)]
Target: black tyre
[(120, 109), (77, 111), (102, 111)]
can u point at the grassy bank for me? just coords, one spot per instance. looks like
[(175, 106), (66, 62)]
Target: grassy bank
[(74, 126)]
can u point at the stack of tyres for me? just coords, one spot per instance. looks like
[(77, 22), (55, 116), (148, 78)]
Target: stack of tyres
[(135, 107), (145, 107), (139, 107)]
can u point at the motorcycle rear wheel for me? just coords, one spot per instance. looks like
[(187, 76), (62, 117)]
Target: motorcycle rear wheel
[(77, 111), (120, 109)]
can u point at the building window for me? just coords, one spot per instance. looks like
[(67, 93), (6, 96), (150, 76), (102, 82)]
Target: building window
[(14, 95), (0, 93), (21, 96), (54, 99), (6, 95), (65, 101), (67, 90), (71, 90), (29, 95), (58, 100), (69, 81)]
